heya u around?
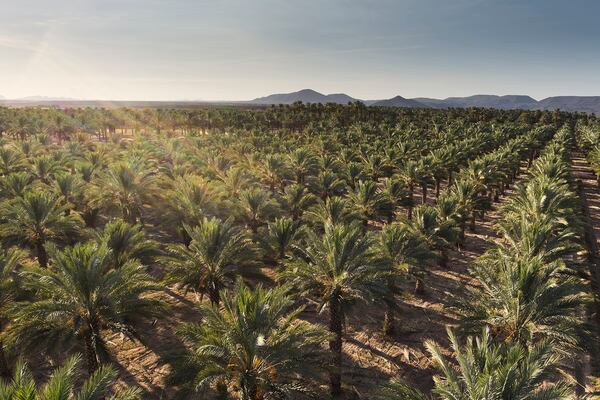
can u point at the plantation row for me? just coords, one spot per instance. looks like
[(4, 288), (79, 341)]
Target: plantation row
[(280, 231)]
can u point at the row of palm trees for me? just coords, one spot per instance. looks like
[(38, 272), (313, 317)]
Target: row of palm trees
[(530, 301), (327, 223)]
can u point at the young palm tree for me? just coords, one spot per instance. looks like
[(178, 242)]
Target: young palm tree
[(15, 184), (489, 371), (218, 253), (337, 270), (282, 233), (253, 343), (77, 299), (296, 200), (397, 194), (127, 243), (334, 211), (35, 219), (189, 199), (64, 384), (9, 260), (11, 161), (328, 184), (254, 208)]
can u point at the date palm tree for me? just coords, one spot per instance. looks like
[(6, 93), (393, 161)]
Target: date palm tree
[(125, 187), (370, 203), (296, 200), (34, 220), (404, 251), (254, 208), (189, 199), (9, 261), (218, 253), (15, 184), (489, 371), (282, 234), (77, 299), (254, 342), (336, 270), (126, 243), (437, 233), (64, 384), (522, 300)]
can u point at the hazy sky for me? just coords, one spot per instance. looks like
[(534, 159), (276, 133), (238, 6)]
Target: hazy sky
[(241, 49)]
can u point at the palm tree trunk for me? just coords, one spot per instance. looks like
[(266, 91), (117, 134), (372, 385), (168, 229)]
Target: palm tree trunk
[(419, 287), (91, 356), (389, 320), (42, 255), (250, 391), (214, 296), (437, 187), (472, 226), (424, 195), (409, 212), (443, 259), (335, 346)]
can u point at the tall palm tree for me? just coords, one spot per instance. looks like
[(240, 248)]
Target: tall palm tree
[(64, 384), (489, 371), (77, 299), (35, 219), (437, 233), (218, 253), (336, 270), (404, 251), (9, 260), (254, 342)]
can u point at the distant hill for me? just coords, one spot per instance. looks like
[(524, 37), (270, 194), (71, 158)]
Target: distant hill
[(305, 96), (44, 98), (589, 104), (400, 101), (483, 100)]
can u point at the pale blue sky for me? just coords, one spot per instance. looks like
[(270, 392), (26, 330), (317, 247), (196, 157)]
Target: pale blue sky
[(241, 49)]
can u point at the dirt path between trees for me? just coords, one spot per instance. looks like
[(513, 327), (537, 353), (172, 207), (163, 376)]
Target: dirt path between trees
[(589, 193)]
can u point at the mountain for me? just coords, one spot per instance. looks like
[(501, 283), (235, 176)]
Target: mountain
[(399, 101), (305, 96), (483, 100), (589, 104), (44, 98)]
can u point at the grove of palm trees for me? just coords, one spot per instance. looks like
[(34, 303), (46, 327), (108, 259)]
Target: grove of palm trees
[(303, 251)]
